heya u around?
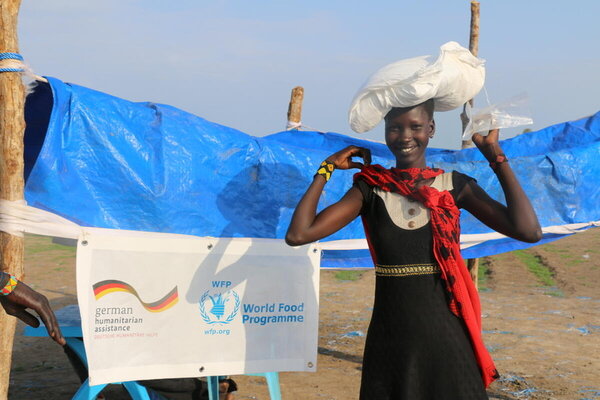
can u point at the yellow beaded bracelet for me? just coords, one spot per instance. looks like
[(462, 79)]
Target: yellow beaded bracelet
[(325, 170)]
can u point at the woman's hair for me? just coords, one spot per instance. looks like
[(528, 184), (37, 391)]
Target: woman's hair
[(232, 385), (427, 105)]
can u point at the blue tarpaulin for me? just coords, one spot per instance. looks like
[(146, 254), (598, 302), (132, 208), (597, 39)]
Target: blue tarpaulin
[(111, 163)]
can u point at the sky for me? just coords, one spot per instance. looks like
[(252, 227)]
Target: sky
[(235, 62)]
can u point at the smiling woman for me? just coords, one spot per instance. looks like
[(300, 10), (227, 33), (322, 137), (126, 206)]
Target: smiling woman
[(407, 134), (424, 340)]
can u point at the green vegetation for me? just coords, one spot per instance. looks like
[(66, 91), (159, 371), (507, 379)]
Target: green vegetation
[(536, 267), (555, 292), (35, 244), (61, 259), (544, 275), (554, 249), (348, 275), (483, 274)]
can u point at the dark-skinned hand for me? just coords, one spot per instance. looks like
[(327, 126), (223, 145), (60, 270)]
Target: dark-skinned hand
[(343, 158), (488, 145), (24, 297)]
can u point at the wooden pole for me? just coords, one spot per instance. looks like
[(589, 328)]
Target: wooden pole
[(474, 48), (294, 114), (474, 35), (12, 127), (473, 263)]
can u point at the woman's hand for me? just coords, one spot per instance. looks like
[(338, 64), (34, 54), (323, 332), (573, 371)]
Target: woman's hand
[(23, 297), (306, 225), (488, 145), (517, 218), (343, 158)]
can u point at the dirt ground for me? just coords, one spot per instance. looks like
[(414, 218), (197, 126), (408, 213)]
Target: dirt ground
[(544, 337)]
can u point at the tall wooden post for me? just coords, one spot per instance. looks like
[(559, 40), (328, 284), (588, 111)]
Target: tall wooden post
[(12, 126), (474, 48), (474, 35), (294, 114), (473, 263)]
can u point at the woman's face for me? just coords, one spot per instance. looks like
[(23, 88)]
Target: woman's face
[(407, 133), (223, 386)]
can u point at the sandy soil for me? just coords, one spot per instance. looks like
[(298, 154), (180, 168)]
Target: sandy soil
[(545, 339)]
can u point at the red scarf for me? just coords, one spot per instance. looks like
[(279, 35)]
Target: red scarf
[(445, 227)]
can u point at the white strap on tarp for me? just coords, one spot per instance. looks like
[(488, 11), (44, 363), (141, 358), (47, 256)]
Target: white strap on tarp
[(469, 240), (466, 240), (16, 217)]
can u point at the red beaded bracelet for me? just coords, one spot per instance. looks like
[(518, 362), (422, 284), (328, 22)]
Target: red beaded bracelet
[(500, 158)]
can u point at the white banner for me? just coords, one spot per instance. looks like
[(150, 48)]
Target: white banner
[(168, 306)]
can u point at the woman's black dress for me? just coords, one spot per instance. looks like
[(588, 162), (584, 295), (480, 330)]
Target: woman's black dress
[(416, 349)]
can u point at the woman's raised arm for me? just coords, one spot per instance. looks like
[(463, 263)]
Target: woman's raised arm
[(306, 225), (517, 219)]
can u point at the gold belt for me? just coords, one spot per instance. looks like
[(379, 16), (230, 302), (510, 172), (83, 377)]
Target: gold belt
[(406, 270)]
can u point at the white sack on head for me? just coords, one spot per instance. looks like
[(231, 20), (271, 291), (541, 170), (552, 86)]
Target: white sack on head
[(451, 80)]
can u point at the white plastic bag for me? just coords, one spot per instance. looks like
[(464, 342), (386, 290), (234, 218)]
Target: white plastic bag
[(508, 114), (455, 77)]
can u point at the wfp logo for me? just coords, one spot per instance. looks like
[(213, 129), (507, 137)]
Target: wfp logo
[(219, 308)]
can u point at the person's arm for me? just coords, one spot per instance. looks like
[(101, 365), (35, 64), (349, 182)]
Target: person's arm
[(306, 225), (22, 297), (517, 219)]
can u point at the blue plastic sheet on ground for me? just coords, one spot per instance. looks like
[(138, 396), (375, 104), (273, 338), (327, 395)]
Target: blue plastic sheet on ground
[(111, 163)]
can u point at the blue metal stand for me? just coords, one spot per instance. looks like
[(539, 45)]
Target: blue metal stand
[(70, 325)]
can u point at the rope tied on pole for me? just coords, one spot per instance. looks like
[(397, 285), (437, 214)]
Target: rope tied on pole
[(296, 126), (14, 62), (8, 63), (293, 125), (11, 56)]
